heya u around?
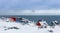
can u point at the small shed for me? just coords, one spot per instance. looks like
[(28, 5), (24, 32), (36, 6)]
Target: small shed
[(12, 19)]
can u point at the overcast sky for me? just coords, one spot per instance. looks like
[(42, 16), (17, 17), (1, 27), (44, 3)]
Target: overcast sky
[(20, 7)]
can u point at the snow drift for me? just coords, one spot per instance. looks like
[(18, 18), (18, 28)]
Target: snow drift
[(26, 28)]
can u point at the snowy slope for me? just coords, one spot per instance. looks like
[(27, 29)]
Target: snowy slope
[(25, 28)]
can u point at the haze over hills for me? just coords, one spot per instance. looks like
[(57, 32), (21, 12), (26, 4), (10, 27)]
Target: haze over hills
[(30, 12)]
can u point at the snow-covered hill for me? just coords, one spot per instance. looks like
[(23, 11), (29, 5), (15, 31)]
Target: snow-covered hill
[(4, 28)]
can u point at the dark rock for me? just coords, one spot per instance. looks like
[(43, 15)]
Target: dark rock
[(11, 28)]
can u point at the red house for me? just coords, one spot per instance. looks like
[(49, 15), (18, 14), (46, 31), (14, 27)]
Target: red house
[(13, 19), (38, 24)]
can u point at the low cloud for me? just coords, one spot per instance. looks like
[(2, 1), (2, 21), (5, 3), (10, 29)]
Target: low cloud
[(30, 12)]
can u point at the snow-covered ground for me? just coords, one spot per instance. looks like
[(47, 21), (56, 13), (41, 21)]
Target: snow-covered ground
[(26, 28)]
